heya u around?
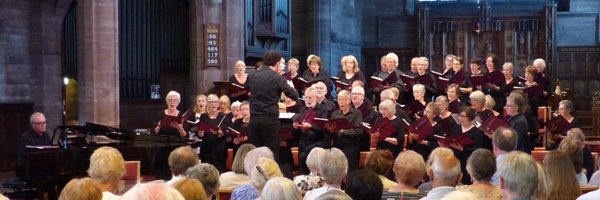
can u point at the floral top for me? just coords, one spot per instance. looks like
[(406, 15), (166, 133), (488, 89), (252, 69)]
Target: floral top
[(308, 182), (492, 195)]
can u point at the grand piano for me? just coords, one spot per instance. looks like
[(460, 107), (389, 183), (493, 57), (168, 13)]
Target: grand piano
[(49, 168)]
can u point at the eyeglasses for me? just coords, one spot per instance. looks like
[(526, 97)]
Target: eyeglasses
[(462, 115), (39, 123)]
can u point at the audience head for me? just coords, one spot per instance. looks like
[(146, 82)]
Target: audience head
[(252, 156), (561, 183), (363, 184), (107, 166), (438, 152), (181, 159), (541, 191), (334, 166), (520, 182), (477, 100), (515, 104), (314, 158), (573, 149), (481, 165), (208, 175), (445, 171), (379, 161), (462, 195), (409, 168), (578, 135), (272, 59), (280, 188), (156, 190), (334, 195), (238, 161), (84, 189), (504, 140), (190, 189), (38, 122), (265, 170)]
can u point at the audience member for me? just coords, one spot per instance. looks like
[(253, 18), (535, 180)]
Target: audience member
[(409, 169), (462, 195), (106, 168), (312, 180), (363, 184), (573, 148), (81, 189), (562, 182), (504, 141), (180, 160), (156, 190), (251, 159), (593, 195), (445, 174), (265, 169), (334, 195), (381, 163), (237, 176), (333, 169), (540, 192), (190, 189), (437, 152), (518, 184), (208, 175), (280, 188), (588, 160), (481, 167)]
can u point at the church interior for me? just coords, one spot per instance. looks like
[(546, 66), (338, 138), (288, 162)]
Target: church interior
[(107, 66)]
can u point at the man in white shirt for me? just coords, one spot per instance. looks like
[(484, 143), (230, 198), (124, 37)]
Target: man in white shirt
[(445, 174), (503, 142)]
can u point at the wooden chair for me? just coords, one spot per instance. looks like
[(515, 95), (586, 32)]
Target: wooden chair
[(588, 188), (224, 194), (544, 114), (539, 155), (131, 177), (229, 161)]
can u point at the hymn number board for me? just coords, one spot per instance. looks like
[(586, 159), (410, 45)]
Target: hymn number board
[(211, 44)]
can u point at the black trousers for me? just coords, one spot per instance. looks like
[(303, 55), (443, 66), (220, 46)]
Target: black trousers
[(264, 131)]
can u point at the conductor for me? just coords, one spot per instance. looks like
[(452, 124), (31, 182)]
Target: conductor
[(266, 85)]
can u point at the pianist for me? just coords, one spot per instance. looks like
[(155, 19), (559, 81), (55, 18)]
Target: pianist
[(35, 136)]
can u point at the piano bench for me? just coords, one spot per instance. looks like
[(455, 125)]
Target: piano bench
[(20, 189)]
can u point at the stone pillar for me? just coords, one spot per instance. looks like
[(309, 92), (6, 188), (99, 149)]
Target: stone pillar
[(322, 32), (97, 25), (232, 25)]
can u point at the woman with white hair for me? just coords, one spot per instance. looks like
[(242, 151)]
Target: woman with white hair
[(394, 142), (312, 180), (509, 79), (350, 71), (241, 125), (166, 125), (208, 175), (540, 76), (333, 168), (280, 188), (265, 170), (415, 107), (426, 79), (565, 110), (214, 144), (239, 78), (156, 190), (107, 166)]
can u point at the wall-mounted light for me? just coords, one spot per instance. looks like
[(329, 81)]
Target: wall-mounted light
[(66, 80)]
